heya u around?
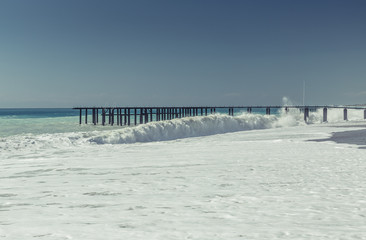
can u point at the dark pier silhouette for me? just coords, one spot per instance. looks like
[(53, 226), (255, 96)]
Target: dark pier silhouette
[(140, 115)]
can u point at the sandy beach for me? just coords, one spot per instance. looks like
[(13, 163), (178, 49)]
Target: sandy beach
[(302, 182)]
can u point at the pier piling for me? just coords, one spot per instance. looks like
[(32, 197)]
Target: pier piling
[(81, 112), (306, 114), (86, 116), (103, 116), (129, 117), (149, 114), (93, 116), (119, 117), (268, 111), (135, 115), (325, 114), (345, 117)]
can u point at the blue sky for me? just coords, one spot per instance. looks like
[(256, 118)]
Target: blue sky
[(193, 52)]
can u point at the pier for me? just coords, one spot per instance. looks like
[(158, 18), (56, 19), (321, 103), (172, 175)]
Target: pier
[(141, 115)]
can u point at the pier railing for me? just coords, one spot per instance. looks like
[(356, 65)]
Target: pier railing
[(140, 115)]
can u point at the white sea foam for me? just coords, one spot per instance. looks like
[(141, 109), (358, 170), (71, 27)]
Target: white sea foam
[(186, 127)]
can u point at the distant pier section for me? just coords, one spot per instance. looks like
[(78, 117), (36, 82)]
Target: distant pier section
[(141, 115)]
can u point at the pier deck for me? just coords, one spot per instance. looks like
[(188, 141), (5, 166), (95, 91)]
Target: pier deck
[(141, 115)]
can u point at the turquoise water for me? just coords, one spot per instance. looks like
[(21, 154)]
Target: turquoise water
[(41, 121), (21, 113)]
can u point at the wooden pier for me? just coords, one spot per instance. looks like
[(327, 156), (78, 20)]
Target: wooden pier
[(141, 115)]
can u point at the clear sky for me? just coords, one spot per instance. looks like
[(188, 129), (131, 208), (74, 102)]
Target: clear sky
[(65, 53)]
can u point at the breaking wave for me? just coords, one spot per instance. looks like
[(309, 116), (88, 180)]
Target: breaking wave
[(186, 127)]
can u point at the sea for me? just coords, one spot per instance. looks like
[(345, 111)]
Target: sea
[(247, 176)]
